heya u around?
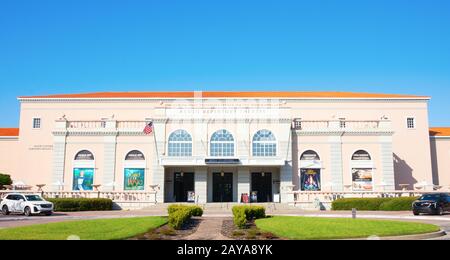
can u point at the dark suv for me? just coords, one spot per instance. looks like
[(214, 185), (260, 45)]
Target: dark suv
[(433, 203)]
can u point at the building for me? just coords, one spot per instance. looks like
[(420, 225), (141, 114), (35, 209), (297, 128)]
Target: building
[(216, 146)]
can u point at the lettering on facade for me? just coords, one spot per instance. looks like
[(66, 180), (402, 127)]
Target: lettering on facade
[(41, 148)]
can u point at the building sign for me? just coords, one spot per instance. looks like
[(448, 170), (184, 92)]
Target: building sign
[(362, 179), (361, 155), (83, 178), (310, 156), (191, 196), (135, 156), (84, 155), (310, 179), (222, 161), (134, 179)]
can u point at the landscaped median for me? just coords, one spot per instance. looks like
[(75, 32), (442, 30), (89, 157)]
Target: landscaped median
[(99, 229), (314, 228)]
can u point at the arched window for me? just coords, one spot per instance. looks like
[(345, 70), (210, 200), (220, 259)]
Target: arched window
[(310, 155), (264, 144), (84, 155), (362, 171), (180, 144), (135, 155), (310, 171), (222, 144), (361, 155)]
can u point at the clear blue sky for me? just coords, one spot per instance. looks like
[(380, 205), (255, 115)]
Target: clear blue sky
[(392, 46)]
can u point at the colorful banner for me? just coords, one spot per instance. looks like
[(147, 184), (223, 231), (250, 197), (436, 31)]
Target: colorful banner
[(310, 179), (83, 178), (134, 179), (362, 179)]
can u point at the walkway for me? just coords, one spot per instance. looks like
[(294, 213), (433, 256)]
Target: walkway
[(210, 229)]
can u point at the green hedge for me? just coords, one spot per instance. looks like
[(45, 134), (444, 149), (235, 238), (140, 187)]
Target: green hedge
[(196, 211), (374, 204), (178, 217), (81, 204), (242, 214), (180, 214)]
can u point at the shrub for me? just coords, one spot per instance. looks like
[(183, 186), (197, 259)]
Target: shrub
[(375, 204), (81, 204), (242, 214), (398, 204), (178, 217), (5, 179), (196, 211), (239, 217)]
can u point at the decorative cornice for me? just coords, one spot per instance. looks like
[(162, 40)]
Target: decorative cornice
[(346, 132)]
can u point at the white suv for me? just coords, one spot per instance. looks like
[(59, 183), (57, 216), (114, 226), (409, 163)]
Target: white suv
[(27, 204)]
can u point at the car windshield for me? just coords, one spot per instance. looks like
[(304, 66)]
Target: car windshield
[(33, 198), (430, 197)]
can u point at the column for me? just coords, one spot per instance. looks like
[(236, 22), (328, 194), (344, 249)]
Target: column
[(158, 171), (243, 178), (336, 163), (387, 162), (201, 180), (59, 154)]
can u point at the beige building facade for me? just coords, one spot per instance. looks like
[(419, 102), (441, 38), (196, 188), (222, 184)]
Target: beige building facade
[(223, 146)]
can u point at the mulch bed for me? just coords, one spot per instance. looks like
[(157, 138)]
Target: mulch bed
[(167, 233), (251, 232)]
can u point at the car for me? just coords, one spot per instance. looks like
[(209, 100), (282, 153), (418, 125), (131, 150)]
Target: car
[(432, 203), (27, 204)]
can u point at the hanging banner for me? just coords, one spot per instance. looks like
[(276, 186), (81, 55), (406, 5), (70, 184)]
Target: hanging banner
[(362, 179), (310, 179), (83, 178), (134, 179)]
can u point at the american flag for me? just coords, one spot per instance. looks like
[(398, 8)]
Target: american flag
[(148, 128)]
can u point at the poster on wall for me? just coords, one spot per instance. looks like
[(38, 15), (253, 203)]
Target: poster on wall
[(310, 179), (362, 179), (134, 179), (83, 178)]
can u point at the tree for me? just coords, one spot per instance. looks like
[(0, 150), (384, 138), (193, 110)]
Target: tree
[(5, 179)]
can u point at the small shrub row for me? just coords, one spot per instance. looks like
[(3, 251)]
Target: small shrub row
[(243, 214), (374, 204), (81, 204), (196, 211), (180, 214)]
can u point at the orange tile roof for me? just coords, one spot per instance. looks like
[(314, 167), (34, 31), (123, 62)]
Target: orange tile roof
[(440, 131), (222, 94), (9, 131)]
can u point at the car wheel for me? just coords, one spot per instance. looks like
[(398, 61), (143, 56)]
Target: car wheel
[(27, 211), (416, 213), (5, 210), (440, 211)]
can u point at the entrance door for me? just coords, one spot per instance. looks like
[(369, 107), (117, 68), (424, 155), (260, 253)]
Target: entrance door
[(262, 185), (183, 182), (222, 187)]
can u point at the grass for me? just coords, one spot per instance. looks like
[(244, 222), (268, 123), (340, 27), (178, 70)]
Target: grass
[(99, 229), (308, 228)]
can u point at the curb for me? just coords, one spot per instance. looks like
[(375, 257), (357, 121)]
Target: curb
[(436, 234)]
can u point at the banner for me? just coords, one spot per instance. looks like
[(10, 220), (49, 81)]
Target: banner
[(83, 178), (134, 179), (310, 179), (362, 179)]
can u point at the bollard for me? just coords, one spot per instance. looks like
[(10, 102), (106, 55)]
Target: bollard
[(353, 213)]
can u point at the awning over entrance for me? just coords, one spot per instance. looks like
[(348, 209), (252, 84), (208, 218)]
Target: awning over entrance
[(208, 161)]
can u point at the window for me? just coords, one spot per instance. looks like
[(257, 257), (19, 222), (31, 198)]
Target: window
[(310, 155), (310, 171), (361, 155), (342, 123), (222, 144), (36, 123), (362, 173), (180, 144), (264, 144), (411, 122)]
